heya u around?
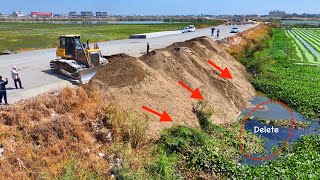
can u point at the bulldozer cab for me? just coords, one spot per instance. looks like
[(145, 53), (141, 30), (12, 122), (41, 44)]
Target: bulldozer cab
[(69, 44)]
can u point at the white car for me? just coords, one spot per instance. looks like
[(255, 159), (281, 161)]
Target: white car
[(191, 28), (184, 30), (234, 30)]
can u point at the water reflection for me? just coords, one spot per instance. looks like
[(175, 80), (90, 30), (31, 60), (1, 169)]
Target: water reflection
[(274, 111)]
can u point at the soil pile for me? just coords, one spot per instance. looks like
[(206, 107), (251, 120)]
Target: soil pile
[(122, 71), (152, 80)]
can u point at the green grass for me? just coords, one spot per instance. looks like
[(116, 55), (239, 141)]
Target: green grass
[(26, 36), (189, 153), (300, 160)]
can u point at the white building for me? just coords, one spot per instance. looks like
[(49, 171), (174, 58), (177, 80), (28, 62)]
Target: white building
[(18, 14)]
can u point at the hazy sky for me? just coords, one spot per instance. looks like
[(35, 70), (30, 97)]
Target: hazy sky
[(163, 7)]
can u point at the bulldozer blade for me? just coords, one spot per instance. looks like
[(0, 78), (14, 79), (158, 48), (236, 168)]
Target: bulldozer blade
[(86, 74)]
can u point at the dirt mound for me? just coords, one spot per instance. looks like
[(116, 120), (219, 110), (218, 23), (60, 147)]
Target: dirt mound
[(121, 71), (159, 89)]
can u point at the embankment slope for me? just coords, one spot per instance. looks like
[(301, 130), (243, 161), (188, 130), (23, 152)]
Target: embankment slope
[(152, 80)]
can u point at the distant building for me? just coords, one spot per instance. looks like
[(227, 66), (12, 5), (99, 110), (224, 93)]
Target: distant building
[(278, 14), (86, 14), (59, 16), (73, 14), (4, 15), (18, 14), (101, 14), (41, 14)]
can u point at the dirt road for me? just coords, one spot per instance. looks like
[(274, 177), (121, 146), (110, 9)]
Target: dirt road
[(37, 77)]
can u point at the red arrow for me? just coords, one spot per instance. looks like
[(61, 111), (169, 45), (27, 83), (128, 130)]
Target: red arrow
[(224, 73), (164, 117), (195, 93)]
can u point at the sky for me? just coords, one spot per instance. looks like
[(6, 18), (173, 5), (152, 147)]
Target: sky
[(163, 7)]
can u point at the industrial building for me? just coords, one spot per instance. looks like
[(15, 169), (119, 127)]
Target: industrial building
[(41, 14), (86, 14), (101, 14), (73, 14)]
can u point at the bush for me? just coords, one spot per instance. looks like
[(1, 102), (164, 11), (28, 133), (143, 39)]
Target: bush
[(127, 127), (179, 138), (257, 64), (164, 167)]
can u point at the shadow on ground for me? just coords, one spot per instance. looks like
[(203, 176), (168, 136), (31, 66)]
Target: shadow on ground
[(61, 76)]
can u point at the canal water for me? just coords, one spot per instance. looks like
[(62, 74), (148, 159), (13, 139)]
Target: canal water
[(274, 111)]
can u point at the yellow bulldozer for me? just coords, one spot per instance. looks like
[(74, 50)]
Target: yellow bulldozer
[(77, 60)]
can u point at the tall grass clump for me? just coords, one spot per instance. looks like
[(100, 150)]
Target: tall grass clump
[(127, 127), (42, 135)]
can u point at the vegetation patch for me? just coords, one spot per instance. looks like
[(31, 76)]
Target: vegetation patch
[(212, 153), (279, 122), (292, 84), (271, 57), (285, 123)]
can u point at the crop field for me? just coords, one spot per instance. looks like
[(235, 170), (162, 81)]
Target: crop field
[(307, 44), (295, 85)]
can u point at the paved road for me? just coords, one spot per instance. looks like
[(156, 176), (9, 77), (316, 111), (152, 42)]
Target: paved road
[(37, 77)]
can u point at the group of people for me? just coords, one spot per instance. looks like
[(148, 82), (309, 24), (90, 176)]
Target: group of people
[(218, 32), (3, 83)]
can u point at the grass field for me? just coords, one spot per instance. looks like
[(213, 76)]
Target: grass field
[(27, 36), (307, 44)]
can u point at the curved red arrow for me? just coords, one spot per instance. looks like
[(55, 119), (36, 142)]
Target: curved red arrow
[(164, 117), (224, 73), (195, 93)]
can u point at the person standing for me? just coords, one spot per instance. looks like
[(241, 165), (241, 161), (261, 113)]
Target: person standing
[(3, 92), (15, 77), (148, 47), (218, 33), (212, 31)]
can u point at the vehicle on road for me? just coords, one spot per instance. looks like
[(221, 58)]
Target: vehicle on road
[(184, 30), (190, 28), (77, 60), (234, 30)]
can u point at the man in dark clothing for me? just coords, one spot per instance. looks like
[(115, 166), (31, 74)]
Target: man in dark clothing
[(212, 31), (3, 92), (148, 47), (218, 33)]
